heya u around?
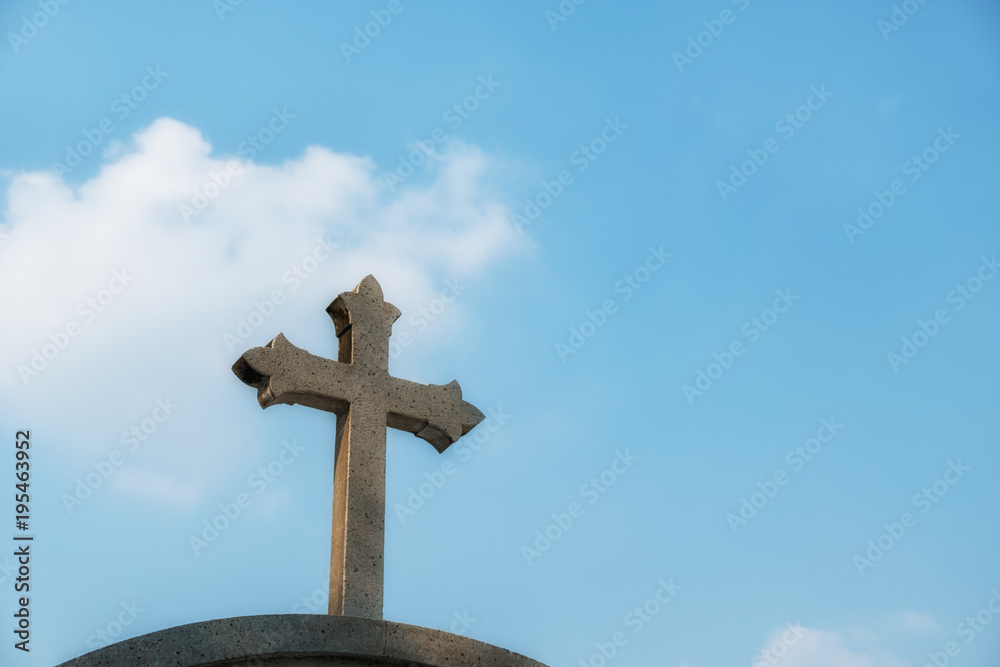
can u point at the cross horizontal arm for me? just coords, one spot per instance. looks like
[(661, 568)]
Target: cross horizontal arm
[(283, 373), (433, 412)]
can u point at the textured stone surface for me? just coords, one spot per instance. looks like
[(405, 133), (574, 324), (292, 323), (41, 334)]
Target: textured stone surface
[(366, 399), (301, 641)]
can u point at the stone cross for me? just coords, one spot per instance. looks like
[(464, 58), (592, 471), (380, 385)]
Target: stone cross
[(366, 399)]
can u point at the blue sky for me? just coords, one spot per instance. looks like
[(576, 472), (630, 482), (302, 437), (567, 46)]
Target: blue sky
[(633, 235)]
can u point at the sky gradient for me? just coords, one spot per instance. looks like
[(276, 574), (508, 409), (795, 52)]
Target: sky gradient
[(719, 274)]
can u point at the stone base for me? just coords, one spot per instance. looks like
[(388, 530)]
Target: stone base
[(301, 640)]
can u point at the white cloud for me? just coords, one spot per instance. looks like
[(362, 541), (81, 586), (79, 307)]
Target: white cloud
[(912, 621), (162, 335), (887, 103), (809, 647)]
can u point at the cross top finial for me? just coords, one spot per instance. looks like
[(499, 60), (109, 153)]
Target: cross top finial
[(365, 310)]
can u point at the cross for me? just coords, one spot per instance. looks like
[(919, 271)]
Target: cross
[(366, 399)]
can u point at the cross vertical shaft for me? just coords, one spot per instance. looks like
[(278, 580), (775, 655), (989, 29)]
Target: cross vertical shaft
[(363, 322), (358, 540)]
